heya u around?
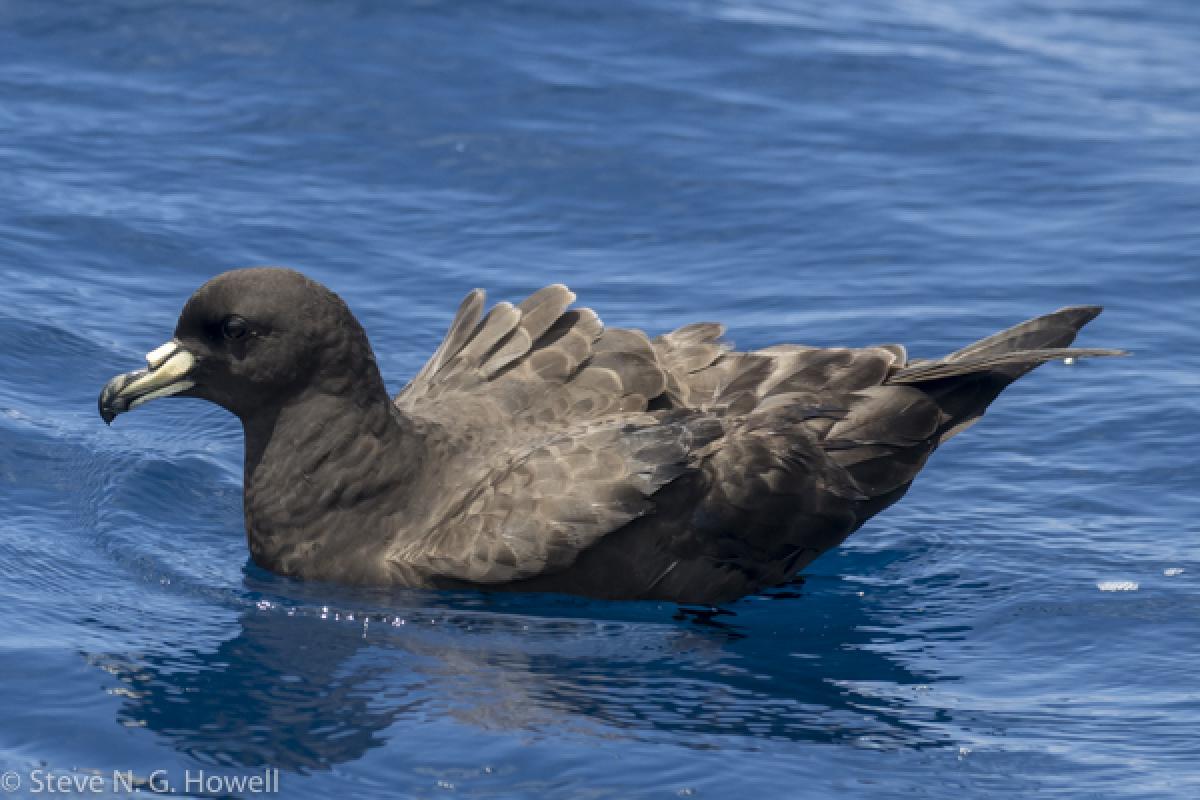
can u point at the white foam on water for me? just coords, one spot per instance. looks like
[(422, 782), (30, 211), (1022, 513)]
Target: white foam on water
[(1171, 572), (1117, 586)]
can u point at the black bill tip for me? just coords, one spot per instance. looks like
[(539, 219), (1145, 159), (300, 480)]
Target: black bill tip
[(109, 404)]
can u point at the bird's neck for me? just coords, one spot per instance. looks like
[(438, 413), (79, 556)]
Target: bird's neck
[(327, 481)]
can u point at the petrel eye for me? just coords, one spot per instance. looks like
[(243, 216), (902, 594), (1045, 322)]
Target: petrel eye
[(234, 327)]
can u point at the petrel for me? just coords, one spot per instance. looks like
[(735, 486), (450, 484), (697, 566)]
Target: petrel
[(540, 451)]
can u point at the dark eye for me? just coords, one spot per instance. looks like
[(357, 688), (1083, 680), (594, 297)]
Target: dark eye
[(234, 327)]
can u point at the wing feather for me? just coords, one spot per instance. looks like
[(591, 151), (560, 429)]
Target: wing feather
[(501, 321), (560, 432), (461, 329), (536, 512)]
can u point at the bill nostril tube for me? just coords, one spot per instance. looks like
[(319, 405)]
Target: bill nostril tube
[(158, 355)]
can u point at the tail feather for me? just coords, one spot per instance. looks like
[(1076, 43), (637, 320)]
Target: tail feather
[(1056, 329), (1014, 351), (1023, 360), (965, 382)]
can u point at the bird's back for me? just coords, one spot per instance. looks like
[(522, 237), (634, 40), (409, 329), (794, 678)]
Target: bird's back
[(568, 457)]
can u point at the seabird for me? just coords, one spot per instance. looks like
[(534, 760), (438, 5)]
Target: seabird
[(538, 450)]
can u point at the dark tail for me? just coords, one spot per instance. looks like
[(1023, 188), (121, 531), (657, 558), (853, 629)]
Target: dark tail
[(965, 382)]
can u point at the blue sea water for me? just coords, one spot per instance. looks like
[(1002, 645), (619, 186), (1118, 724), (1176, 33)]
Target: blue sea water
[(925, 171)]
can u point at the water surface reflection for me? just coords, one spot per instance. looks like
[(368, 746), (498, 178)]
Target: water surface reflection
[(304, 686)]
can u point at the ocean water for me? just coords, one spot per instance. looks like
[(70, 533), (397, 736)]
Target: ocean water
[(1025, 623)]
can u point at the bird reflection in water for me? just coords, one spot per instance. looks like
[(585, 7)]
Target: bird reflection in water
[(304, 687)]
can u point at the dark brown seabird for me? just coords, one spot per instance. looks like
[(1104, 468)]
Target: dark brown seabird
[(540, 451)]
